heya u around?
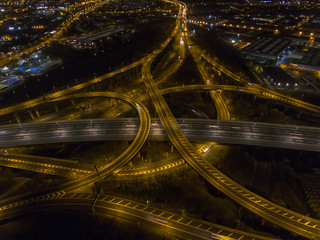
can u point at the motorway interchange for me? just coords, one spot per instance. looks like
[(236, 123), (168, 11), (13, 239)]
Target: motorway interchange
[(178, 131)]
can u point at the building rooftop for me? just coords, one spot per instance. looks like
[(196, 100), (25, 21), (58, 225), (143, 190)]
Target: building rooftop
[(279, 78), (95, 36), (312, 58), (269, 48)]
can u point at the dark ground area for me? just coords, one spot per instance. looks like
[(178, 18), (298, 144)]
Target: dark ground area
[(72, 224)]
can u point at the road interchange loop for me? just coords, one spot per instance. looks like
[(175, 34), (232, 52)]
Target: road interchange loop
[(156, 218), (110, 168), (292, 221)]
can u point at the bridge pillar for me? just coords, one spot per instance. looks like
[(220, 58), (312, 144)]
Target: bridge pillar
[(17, 118), (241, 96), (88, 104), (269, 104), (31, 115), (126, 76), (299, 114), (72, 102), (37, 112), (130, 74), (56, 107)]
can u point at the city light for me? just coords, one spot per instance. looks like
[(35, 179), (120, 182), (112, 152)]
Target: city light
[(193, 120)]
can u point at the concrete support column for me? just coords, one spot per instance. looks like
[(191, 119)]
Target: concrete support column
[(56, 107), (37, 112), (88, 104), (31, 115), (17, 118)]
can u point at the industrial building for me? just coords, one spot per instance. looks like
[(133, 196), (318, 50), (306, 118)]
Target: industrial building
[(266, 50), (311, 61), (279, 78), (91, 40)]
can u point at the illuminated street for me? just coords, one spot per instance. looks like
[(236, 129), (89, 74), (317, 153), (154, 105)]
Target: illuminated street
[(159, 120)]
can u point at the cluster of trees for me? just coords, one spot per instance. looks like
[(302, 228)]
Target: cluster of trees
[(183, 191), (265, 173)]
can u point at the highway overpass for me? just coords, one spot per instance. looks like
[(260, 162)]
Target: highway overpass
[(196, 130), (290, 220)]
